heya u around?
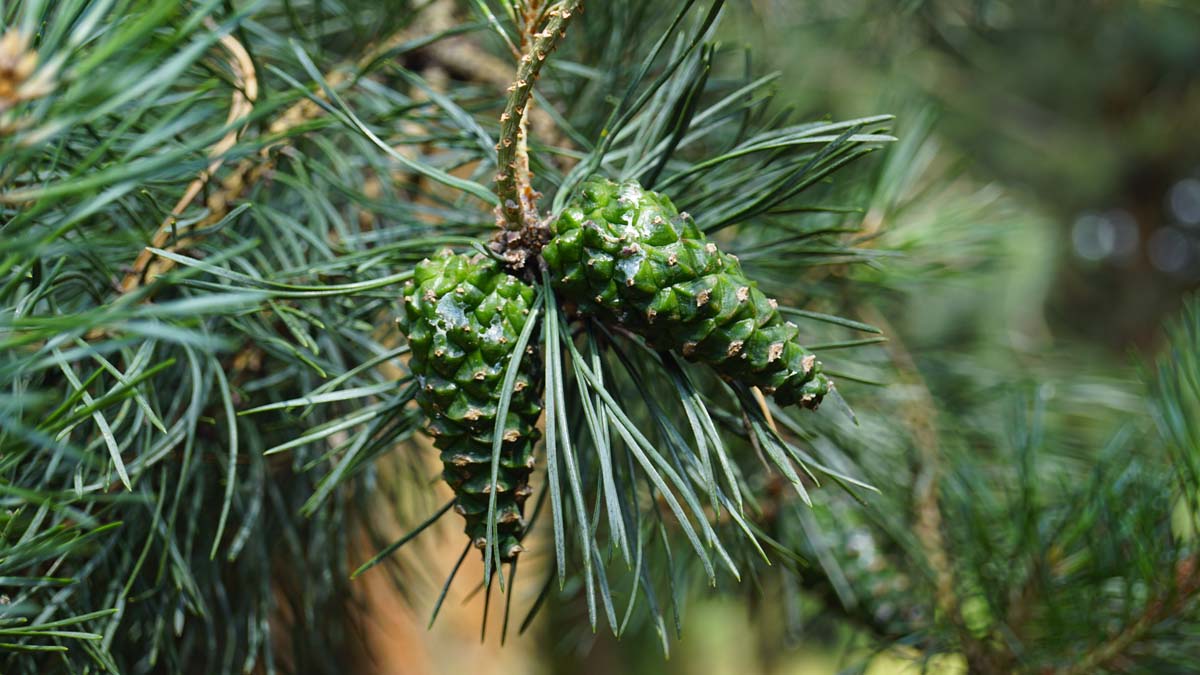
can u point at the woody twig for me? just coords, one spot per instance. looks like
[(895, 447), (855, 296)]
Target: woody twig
[(522, 232)]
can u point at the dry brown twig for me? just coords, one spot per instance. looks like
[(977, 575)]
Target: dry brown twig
[(248, 172), (147, 265)]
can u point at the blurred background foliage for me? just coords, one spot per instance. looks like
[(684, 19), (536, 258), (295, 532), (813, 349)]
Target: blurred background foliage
[(1082, 111), (1023, 246)]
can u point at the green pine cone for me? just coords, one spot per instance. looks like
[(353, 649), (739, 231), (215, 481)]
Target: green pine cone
[(463, 315), (626, 254)]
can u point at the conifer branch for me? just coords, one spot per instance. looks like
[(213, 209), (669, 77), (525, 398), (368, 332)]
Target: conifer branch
[(466, 59), (268, 383), (517, 211)]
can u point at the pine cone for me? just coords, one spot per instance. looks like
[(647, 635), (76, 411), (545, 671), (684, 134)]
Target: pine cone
[(463, 315), (626, 254)]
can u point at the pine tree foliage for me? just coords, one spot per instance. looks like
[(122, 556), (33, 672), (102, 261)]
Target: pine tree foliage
[(210, 210)]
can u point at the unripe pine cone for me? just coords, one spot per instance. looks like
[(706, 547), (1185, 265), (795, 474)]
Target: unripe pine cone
[(627, 255), (463, 316)]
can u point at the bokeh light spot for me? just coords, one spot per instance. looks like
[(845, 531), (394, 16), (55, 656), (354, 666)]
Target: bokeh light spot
[(1184, 201)]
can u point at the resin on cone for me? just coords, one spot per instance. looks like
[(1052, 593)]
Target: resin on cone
[(626, 254), (463, 316)]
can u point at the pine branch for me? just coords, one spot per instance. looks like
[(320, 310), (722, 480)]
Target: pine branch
[(517, 211), (277, 330)]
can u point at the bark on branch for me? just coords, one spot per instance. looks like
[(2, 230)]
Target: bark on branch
[(517, 214)]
